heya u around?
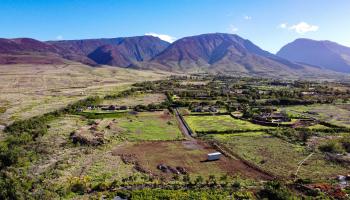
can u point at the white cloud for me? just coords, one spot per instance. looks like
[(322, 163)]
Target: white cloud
[(246, 17), (283, 25), (59, 37), (301, 27), (233, 29), (164, 37)]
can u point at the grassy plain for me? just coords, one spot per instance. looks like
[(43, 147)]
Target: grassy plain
[(30, 90), (137, 99), (280, 157)]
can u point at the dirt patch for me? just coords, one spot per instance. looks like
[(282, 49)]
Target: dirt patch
[(132, 159), (165, 116), (89, 135), (192, 144), (189, 155)]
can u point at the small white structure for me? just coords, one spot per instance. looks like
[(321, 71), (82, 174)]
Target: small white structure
[(214, 156)]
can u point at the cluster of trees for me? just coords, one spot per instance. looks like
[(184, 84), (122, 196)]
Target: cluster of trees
[(124, 93), (197, 188), (158, 188), (158, 86), (152, 107), (225, 87), (298, 101), (160, 194)]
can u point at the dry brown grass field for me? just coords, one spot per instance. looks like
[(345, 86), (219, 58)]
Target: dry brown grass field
[(29, 90), (137, 99)]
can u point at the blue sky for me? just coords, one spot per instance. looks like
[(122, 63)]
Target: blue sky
[(268, 23)]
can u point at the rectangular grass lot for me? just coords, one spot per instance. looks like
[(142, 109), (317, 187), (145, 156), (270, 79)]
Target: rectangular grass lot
[(220, 123), (150, 126)]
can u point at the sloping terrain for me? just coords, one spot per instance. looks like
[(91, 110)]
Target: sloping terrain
[(120, 52), (26, 50), (214, 53), (129, 51), (325, 54), (221, 53), (29, 90)]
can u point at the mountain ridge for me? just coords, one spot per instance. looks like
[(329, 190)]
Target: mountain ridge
[(324, 53), (219, 50), (211, 52)]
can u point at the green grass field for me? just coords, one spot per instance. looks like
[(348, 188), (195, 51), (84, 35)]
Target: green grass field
[(150, 126), (220, 123), (318, 126), (280, 157)]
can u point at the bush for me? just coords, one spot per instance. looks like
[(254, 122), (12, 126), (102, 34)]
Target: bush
[(332, 147), (346, 143), (79, 185), (13, 187), (276, 191), (8, 156)]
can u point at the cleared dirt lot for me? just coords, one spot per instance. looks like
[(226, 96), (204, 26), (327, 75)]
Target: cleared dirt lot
[(191, 155)]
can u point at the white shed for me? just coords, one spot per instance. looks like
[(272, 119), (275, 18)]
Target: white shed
[(214, 156)]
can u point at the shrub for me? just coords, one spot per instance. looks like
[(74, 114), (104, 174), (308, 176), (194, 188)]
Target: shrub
[(332, 147), (346, 144), (79, 185), (275, 190), (13, 187)]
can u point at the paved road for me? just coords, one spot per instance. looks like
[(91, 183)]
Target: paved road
[(186, 131)]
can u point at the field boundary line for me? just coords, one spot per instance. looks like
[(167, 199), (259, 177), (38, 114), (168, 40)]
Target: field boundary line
[(302, 162)]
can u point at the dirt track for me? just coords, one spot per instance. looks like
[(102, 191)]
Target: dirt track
[(186, 131)]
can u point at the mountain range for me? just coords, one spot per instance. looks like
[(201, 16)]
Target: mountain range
[(215, 52), (324, 54)]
